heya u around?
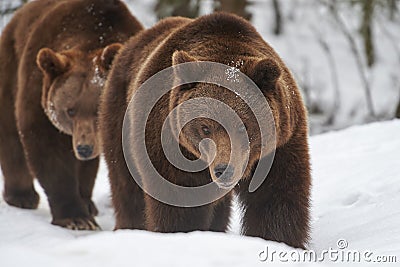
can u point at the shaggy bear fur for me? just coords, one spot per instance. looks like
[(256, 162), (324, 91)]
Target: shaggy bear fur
[(55, 56), (279, 209)]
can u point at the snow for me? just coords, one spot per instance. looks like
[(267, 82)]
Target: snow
[(355, 197), (232, 74), (97, 79), (356, 188)]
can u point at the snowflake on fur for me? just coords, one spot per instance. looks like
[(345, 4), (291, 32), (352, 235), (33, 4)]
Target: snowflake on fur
[(232, 74)]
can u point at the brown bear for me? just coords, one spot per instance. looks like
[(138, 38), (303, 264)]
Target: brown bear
[(55, 56), (279, 209)]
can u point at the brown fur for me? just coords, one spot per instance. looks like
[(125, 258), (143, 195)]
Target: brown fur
[(55, 56), (279, 209)]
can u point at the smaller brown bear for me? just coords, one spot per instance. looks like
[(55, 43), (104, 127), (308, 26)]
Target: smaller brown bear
[(55, 57), (279, 209)]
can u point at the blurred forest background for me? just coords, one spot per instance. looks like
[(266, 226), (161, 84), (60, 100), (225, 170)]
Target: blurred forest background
[(345, 54)]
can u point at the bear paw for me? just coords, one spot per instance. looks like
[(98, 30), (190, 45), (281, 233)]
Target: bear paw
[(22, 199), (77, 224)]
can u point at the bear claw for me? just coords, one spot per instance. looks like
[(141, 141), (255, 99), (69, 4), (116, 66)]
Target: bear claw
[(88, 224)]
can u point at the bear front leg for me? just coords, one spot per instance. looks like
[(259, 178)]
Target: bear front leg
[(165, 218), (87, 172), (222, 213), (51, 159), (18, 182), (128, 199), (279, 209)]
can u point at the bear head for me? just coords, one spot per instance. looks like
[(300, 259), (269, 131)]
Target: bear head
[(227, 167), (72, 84)]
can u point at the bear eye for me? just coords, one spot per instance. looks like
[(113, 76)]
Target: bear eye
[(71, 112), (206, 130)]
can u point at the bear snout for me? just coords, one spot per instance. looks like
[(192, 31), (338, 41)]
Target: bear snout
[(85, 139), (84, 151), (224, 174)]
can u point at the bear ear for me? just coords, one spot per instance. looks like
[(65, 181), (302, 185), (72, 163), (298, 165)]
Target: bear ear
[(187, 74), (265, 73), (108, 55), (180, 57), (52, 63)]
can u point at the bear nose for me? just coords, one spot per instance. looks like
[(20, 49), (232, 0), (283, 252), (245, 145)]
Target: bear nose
[(85, 151), (224, 173)]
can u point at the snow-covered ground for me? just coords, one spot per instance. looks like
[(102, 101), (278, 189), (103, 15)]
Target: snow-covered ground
[(356, 197)]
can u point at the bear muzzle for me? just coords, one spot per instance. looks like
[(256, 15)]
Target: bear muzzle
[(85, 140)]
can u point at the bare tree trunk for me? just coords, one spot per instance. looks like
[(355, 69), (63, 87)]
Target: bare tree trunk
[(237, 7), (357, 56), (278, 27), (366, 30), (398, 111), (392, 9)]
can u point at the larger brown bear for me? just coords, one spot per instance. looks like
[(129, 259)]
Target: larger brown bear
[(279, 209), (55, 56)]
